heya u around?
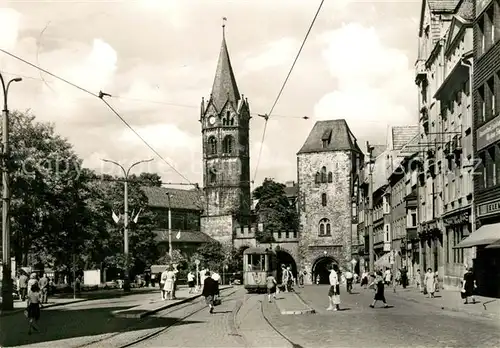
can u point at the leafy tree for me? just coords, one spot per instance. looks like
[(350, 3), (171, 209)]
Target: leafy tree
[(274, 210), (177, 258), (46, 209), (212, 255), (147, 179)]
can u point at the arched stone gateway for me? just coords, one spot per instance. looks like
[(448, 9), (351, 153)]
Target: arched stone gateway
[(285, 258), (320, 269)]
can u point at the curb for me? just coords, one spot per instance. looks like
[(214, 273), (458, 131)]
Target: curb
[(121, 314), (451, 309), (308, 309), (19, 310)]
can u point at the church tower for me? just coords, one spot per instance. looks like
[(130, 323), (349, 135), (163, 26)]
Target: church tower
[(225, 128)]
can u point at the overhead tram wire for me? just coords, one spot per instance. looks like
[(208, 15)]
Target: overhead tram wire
[(99, 96), (149, 101), (267, 116)]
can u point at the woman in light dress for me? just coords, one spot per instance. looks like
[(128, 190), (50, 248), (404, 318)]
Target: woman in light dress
[(430, 283), (169, 283)]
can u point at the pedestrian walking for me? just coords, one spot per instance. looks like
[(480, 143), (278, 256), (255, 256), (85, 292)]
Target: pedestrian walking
[(334, 291), (23, 286), (216, 278), (169, 283), (271, 287), (33, 309), (418, 280), (33, 280), (43, 283), (190, 277), (349, 278), (163, 279), (387, 276), (364, 279), (429, 283), (469, 286), (300, 280), (209, 290), (378, 284), (404, 277)]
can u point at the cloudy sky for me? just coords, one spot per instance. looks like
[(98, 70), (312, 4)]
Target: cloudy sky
[(158, 58)]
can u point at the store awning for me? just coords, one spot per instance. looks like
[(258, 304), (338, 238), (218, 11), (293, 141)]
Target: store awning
[(384, 260), (485, 235), (495, 245)]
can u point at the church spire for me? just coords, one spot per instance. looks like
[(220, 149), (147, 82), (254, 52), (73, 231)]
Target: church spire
[(224, 87)]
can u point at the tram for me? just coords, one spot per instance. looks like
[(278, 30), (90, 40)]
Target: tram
[(258, 264)]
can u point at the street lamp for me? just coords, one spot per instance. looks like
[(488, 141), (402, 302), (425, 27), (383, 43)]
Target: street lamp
[(7, 299), (371, 165), (126, 282)]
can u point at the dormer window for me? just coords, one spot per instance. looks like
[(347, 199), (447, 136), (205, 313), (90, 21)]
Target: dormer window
[(327, 136)]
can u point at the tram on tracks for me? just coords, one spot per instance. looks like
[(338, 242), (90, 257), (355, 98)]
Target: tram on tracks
[(258, 264)]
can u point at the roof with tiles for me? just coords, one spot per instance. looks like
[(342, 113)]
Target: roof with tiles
[(401, 135), (179, 199), (184, 236), (443, 5), (337, 135)]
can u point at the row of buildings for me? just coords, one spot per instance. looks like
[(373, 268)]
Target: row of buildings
[(436, 185)]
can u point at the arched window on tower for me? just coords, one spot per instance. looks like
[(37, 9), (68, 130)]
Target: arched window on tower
[(317, 178), (212, 176), (324, 227), (212, 145), (330, 177), (228, 144), (323, 199), (228, 120), (323, 174)]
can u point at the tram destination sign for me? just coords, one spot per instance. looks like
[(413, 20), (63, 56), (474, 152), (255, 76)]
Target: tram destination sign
[(488, 134), (489, 208)]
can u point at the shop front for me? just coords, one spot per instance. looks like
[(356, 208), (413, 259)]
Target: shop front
[(457, 226), (431, 247)]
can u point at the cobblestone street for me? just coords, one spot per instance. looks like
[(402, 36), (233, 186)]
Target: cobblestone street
[(405, 324)]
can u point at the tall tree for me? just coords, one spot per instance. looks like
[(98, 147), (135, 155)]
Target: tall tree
[(274, 210)]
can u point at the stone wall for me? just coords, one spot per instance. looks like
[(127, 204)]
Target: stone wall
[(338, 209), (218, 227)]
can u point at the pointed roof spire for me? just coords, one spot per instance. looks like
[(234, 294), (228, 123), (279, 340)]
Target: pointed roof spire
[(224, 87)]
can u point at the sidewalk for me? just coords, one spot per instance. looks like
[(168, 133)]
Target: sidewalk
[(290, 303), (156, 305), (65, 299), (451, 300)]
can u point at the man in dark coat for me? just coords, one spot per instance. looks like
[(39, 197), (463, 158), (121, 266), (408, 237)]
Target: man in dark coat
[(209, 291)]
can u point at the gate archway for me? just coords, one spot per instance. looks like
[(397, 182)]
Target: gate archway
[(285, 258), (320, 270)]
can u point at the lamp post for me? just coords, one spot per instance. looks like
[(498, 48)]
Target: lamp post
[(371, 250), (7, 299), (169, 196), (126, 281)]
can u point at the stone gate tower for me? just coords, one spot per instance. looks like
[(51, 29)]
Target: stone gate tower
[(225, 120)]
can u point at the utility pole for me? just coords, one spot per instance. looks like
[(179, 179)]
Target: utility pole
[(169, 195), (370, 207), (7, 299), (126, 280)]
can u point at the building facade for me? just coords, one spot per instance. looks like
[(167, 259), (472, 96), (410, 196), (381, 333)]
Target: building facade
[(225, 124), (328, 167), (444, 193), (486, 96)]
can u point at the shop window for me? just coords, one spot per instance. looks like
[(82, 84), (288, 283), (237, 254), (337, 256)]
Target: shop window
[(458, 254)]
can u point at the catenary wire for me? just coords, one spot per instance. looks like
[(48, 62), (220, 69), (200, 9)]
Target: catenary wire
[(283, 87), (105, 102)]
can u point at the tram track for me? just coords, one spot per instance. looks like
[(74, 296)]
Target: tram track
[(155, 332)]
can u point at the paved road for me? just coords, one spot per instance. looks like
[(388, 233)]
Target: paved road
[(406, 324), (249, 321)]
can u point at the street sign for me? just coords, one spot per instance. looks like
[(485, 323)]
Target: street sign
[(197, 262)]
